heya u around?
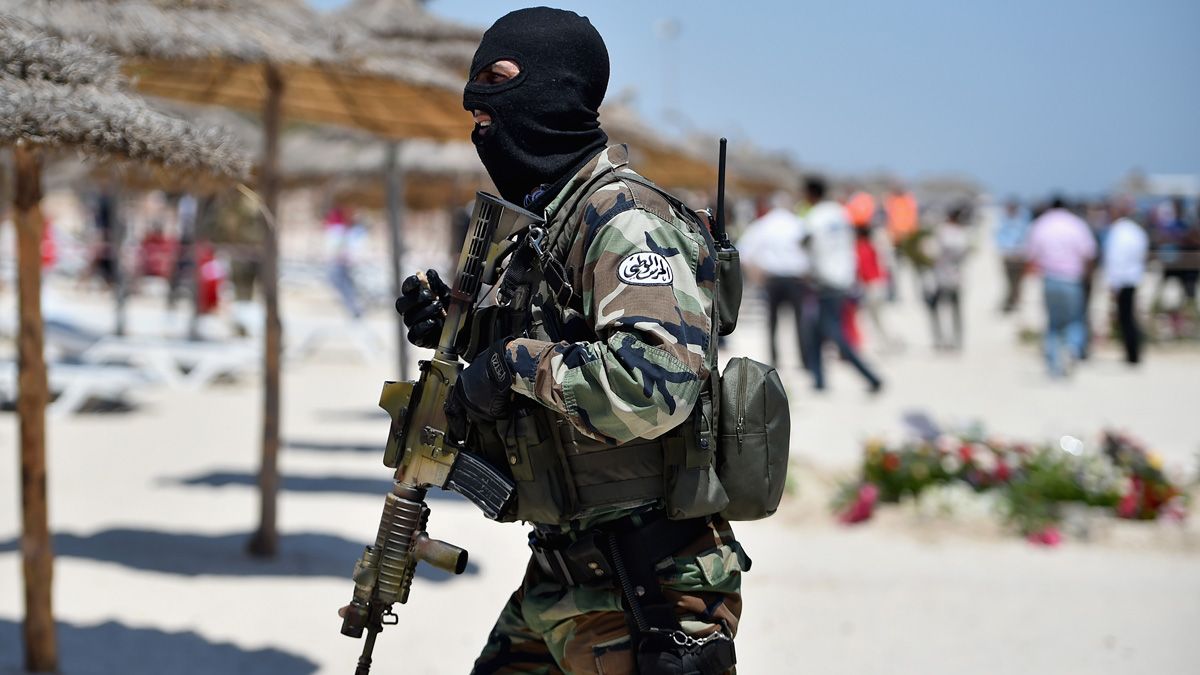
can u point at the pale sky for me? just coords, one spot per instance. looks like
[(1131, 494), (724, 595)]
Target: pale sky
[(1024, 96)]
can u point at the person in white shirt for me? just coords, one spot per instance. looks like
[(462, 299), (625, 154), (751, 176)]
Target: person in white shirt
[(830, 242), (771, 250), (950, 244), (1125, 249)]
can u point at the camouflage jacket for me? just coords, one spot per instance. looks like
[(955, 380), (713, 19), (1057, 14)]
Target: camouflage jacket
[(636, 349)]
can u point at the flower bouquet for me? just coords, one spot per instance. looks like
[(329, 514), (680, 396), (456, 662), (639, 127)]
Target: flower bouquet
[(1033, 484)]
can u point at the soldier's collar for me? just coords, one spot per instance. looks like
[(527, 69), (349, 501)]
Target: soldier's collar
[(612, 157)]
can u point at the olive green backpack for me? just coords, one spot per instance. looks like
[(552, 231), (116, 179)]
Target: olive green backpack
[(753, 434)]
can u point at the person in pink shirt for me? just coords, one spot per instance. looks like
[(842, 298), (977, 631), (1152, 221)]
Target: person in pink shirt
[(1061, 248)]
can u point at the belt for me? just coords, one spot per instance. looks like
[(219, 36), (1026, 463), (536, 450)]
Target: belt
[(584, 558)]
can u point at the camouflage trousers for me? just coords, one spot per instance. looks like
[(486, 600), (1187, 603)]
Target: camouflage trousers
[(547, 628)]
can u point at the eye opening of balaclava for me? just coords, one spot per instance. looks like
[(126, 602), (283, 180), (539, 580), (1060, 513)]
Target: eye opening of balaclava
[(545, 120)]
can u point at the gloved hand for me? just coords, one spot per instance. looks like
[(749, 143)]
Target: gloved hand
[(423, 308), (483, 391)]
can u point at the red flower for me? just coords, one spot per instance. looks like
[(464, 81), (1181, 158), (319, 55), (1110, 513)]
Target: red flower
[(1047, 537), (863, 506), (964, 451), (1002, 472), (1131, 502), (1128, 506), (891, 461)]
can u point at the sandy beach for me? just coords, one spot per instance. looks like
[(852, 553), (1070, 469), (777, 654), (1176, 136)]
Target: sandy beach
[(151, 508)]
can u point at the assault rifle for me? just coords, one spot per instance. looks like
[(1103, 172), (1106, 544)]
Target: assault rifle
[(418, 447)]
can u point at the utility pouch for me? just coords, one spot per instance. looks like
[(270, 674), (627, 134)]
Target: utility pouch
[(533, 452), (729, 288), (575, 562), (691, 486), (754, 432)]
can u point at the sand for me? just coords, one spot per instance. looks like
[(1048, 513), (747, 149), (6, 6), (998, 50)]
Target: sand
[(151, 509)]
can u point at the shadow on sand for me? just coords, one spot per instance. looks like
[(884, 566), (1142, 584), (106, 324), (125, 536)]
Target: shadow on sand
[(352, 414), (334, 446), (364, 486), (111, 647), (302, 555)]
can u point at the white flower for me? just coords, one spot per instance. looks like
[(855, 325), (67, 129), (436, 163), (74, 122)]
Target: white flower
[(951, 463), (984, 458)]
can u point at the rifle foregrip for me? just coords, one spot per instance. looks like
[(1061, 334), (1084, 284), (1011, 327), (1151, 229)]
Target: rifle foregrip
[(446, 557)]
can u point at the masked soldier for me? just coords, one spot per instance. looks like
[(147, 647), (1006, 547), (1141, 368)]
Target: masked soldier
[(602, 412)]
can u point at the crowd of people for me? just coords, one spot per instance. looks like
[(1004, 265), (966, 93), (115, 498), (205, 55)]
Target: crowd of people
[(829, 261), (1069, 245), (817, 261)]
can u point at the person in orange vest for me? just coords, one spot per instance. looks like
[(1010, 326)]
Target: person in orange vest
[(902, 223), (873, 274)]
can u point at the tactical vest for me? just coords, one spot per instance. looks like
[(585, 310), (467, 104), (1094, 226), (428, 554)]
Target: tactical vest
[(563, 475)]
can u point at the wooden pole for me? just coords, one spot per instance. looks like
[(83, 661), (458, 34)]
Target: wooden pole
[(199, 240), (37, 555), (265, 542), (6, 190), (119, 233), (395, 208)]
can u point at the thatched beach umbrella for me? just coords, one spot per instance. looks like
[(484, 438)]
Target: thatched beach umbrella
[(279, 57), (436, 174), (54, 94), (353, 162), (402, 28)]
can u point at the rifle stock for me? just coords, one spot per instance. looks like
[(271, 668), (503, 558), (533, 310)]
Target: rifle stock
[(417, 447)]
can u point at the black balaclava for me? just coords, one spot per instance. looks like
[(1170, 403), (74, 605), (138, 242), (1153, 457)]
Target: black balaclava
[(545, 121)]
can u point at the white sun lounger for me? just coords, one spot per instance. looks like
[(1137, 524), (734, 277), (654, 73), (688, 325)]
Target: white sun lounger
[(182, 363), (185, 363), (74, 385)]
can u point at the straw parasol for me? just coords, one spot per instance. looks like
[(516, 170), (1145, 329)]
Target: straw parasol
[(281, 58), (56, 94), (401, 28), (214, 51), (354, 164)]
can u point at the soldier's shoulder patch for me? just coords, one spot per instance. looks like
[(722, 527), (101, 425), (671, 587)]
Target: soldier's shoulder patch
[(645, 268)]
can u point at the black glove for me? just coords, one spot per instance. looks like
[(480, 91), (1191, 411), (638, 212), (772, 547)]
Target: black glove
[(483, 391), (423, 308)]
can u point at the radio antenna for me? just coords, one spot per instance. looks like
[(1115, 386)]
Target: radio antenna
[(722, 238)]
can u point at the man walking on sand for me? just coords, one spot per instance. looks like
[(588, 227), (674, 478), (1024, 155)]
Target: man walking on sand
[(1061, 247), (1125, 250), (772, 252), (830, 242)]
